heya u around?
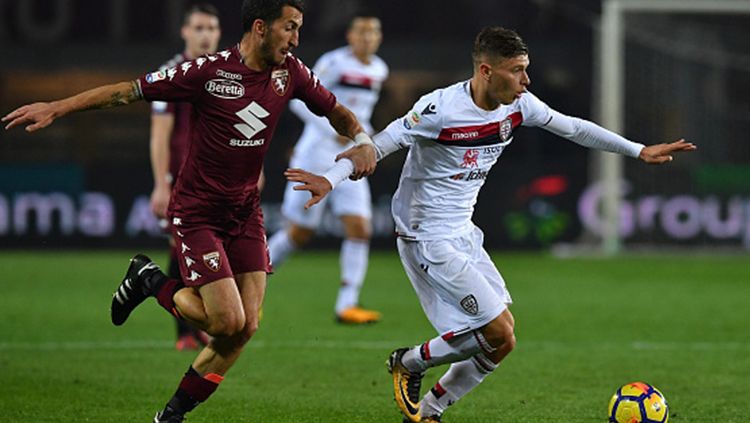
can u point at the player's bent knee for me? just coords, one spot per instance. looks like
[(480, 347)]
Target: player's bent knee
[(357, 228), (248, 331), (300, 236), (509, 344), (226, 324)]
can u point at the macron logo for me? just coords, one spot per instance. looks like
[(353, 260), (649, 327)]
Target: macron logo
[(464, 135)]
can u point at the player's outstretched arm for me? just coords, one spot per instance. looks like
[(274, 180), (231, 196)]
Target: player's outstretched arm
[(41, 115), (591, 135), (662, 153), (317, 185), (363, 154)]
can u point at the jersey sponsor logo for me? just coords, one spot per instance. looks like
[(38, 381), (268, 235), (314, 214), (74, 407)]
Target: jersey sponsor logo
[(225, 54), (280, 81), (171, 72), (156, 76), (412, 119), (474, 175), (470, 305), (246, 143), (194, 276), (471, 156), (189, 261), (200, 61), (212, 260), (228, 75), (477, 175), (464, 135), (251, 116), (225, 88)]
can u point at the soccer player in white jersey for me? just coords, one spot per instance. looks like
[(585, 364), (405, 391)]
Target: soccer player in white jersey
[(455, 135), (354, 74)]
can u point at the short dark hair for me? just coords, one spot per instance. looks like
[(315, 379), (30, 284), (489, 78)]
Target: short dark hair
[(362, 15), (498, 43), (205, 8), (266, 10)]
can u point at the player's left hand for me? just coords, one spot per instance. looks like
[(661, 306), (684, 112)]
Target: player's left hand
[(364, 159), (317, 185), (40, 115), (662, 153)]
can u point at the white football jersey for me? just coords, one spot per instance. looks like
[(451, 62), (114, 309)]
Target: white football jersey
[(356, 85), (452, 144)]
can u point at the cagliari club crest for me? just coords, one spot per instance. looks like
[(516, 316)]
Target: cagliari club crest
[(506, 129), (280, 81), (212, 261), (469, 303)]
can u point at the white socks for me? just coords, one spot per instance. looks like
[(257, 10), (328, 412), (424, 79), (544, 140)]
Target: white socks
[(460, 378), (279, 247), (353, 262), (448, 348)]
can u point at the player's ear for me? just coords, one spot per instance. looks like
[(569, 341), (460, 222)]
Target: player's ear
[(259, 27), (485, 71)]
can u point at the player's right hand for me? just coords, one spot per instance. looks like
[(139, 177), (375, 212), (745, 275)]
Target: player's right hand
[(662, 153), (40, 115), (318, 186), (160, 201)]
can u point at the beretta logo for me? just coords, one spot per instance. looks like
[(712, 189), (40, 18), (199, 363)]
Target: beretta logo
[(224, 88)]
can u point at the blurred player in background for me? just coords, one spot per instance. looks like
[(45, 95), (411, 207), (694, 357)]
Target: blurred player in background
[(454, 136), (238, 96), (170, 135), (355, 75)]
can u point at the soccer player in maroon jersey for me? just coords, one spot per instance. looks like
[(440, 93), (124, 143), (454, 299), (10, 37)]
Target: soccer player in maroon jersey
[(238, 96), (170, 134)]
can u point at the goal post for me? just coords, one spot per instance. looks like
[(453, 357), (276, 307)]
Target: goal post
[(612, 88)]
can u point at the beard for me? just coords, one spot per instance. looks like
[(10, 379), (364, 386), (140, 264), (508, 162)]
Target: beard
[(267, 52)]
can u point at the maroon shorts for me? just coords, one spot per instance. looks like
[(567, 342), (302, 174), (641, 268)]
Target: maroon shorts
[(209, 252)]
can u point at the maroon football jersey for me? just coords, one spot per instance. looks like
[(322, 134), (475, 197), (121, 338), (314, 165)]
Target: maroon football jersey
[(235, 113), (182, 112)]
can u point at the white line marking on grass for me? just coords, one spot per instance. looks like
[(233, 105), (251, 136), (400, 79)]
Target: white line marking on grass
[(384, 345)]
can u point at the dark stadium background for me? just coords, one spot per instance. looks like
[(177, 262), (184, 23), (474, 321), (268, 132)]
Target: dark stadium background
[(85, 181)]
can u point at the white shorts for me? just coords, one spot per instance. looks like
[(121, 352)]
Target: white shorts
[(457, 283), (349, 198)]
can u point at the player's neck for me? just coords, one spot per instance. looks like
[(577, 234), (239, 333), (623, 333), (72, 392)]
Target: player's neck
[(363, 57), (480, 97), (251, 54)]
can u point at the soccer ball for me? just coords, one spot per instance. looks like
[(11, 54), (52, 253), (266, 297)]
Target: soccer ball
[(638, 402)]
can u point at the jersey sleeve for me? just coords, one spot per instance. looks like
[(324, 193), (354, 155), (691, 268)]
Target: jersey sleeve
[(182, 82), (307, 87), (326, 70), (422, 122), (535, 112)]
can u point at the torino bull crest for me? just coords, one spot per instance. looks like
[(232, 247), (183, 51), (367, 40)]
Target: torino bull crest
[(212, 261)]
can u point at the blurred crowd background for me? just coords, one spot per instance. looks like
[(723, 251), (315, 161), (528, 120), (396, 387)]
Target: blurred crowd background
[(85, 181)]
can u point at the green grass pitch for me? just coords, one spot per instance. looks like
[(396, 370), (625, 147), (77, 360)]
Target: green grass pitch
[(584, 327)]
